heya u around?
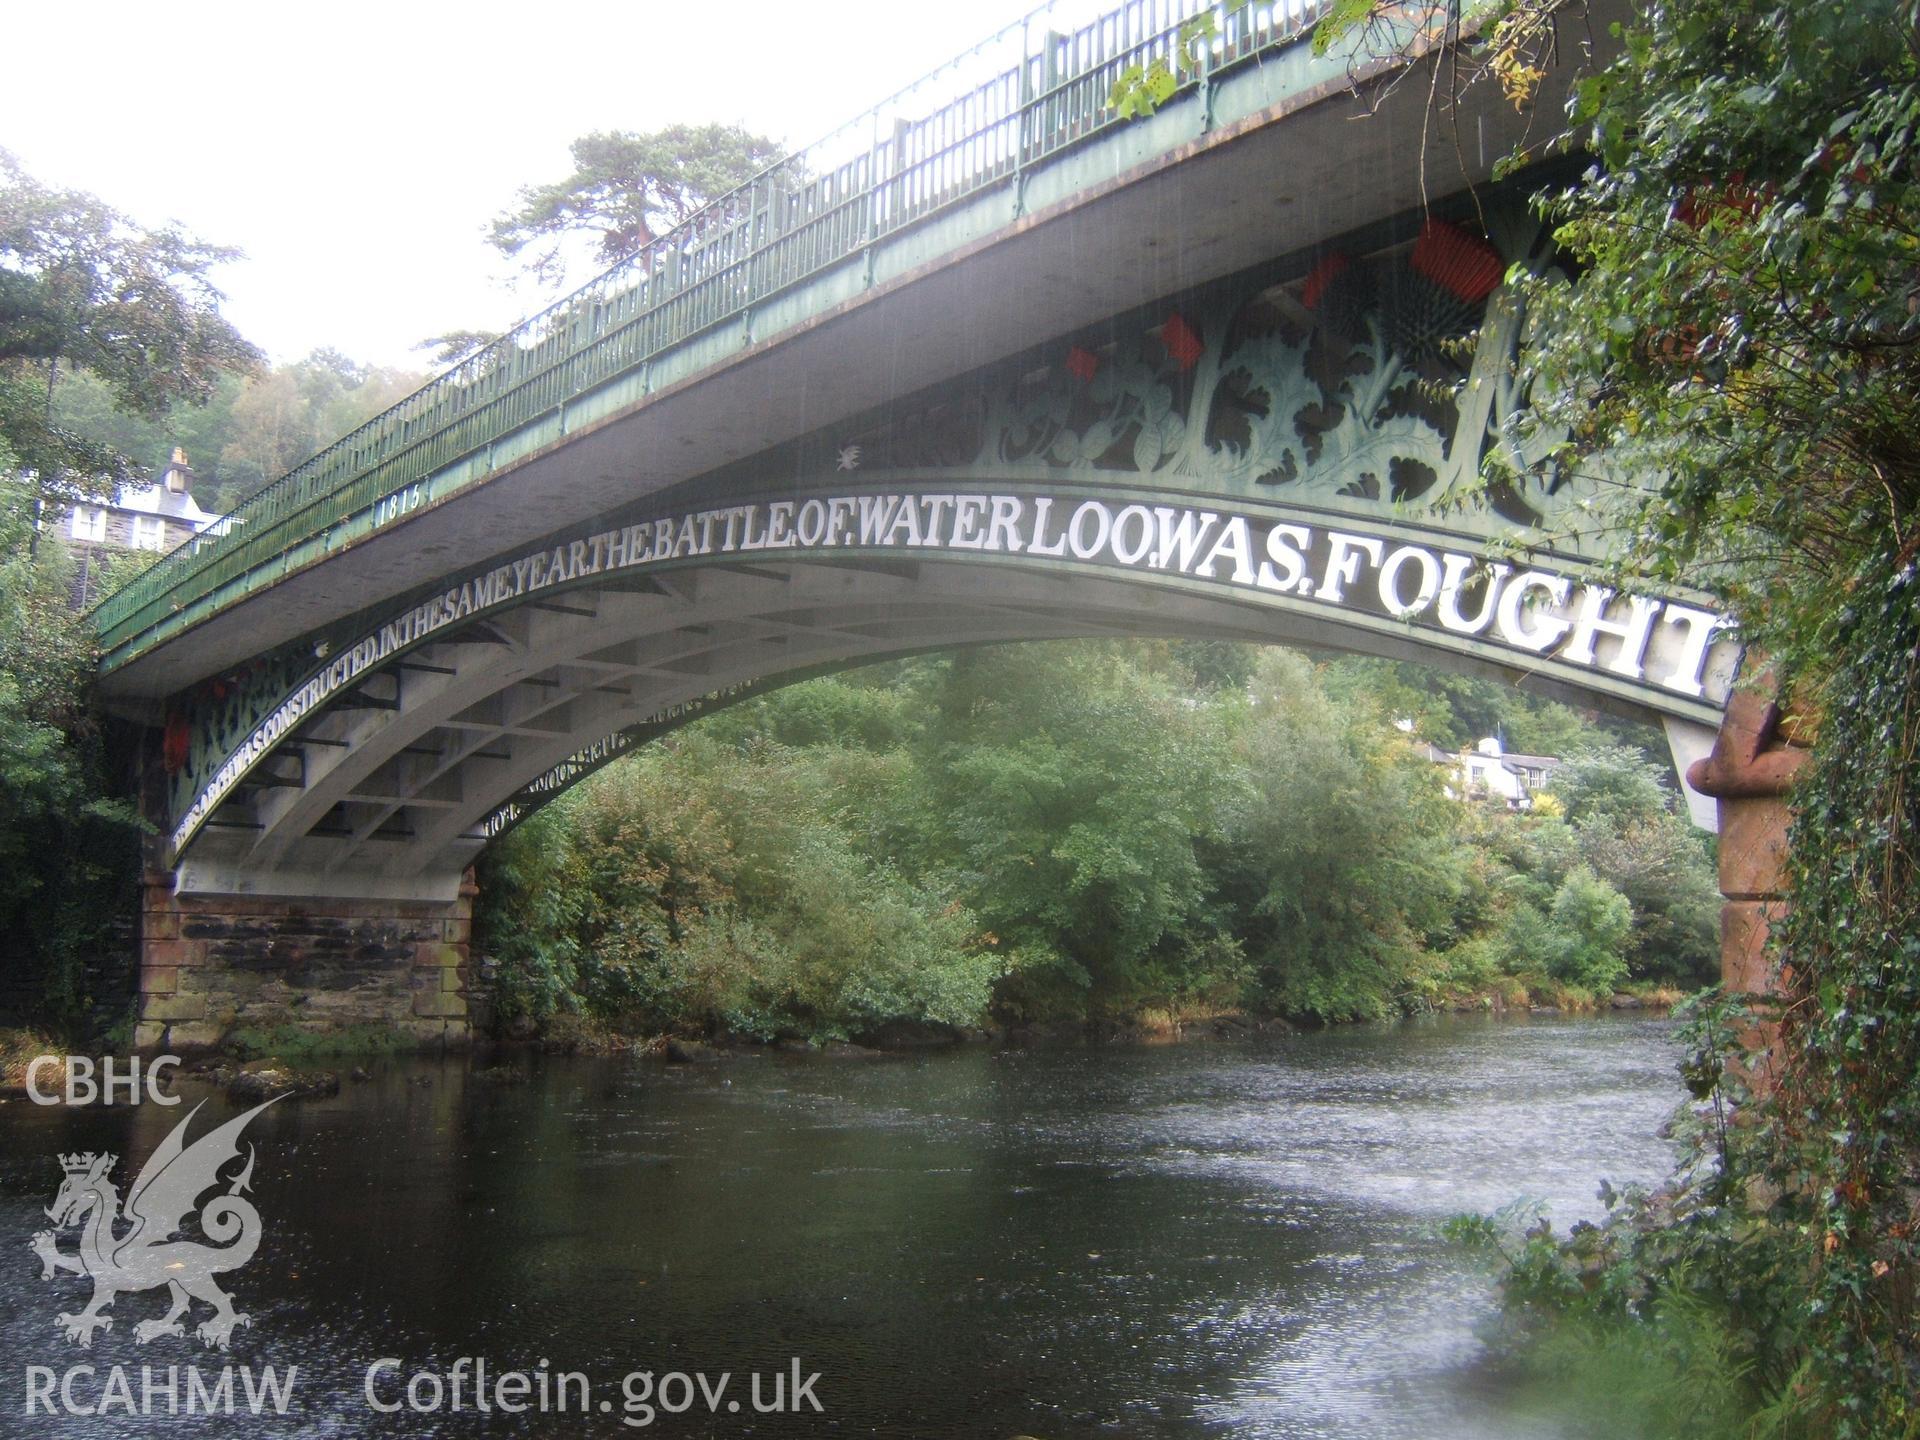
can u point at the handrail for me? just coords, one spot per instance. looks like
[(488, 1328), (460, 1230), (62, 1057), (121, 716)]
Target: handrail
[(1035, 90)]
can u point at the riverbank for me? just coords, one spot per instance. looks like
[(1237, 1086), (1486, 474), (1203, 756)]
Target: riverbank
[(300, 1051), (19, 1047), (572, 1033)]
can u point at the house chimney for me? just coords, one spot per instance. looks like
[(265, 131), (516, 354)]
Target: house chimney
[(179, 476)]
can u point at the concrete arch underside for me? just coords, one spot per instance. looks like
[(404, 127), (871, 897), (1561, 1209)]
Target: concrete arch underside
[(387, 791)]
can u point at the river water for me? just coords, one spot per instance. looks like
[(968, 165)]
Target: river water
[(1216, 1238)]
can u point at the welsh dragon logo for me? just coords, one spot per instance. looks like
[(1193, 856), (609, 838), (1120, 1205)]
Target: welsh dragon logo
[(138, 1248)]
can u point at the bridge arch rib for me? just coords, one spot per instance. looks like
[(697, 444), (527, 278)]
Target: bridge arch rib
[(406, 744)]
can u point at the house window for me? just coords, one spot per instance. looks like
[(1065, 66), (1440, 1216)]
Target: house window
[(149, 533), (89, 523)]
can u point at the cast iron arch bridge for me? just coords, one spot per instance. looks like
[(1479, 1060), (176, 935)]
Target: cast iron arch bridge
[(1004, 367)]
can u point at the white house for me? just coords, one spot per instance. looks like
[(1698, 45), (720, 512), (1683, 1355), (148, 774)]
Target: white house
[(1489, 770), (155, 517)]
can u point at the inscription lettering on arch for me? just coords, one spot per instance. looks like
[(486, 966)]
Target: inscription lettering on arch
[(1678, 656)]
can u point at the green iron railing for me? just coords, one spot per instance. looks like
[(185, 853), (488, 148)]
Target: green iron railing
[(1035, 91)]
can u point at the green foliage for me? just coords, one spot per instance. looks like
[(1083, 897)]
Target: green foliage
[(1745, 334), (1743, 331), (1676, 1317), (1347, 849), (1454, 711), (1847, 1121), (280, 417), (1610, 784), (1590, 923), (846, 712), (1663, 867), (130, 313), (529, 910), (1744, 340), (1379, 29), (302, 1045), (83, 288), (1676, 1375), (251, 429), (85, 406), (1216, 665), (627, 188), (706, 885), (68, 854), (1060, 799), (1340, 19), (1141, 89), (1019, 830)]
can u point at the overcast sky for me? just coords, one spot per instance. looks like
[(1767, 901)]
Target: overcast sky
[(356, 151)]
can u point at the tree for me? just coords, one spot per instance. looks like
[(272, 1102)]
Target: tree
[(83, 292), (1661, 865), (250, 431), (1059, 798), (1346, 860), (704, 884), (68, 857), (1454, 711), (1591, 921), (282, 416), (627, 188), (1743, 341), (1745, 332), (1611, 784), (450, 347), (83, 287)]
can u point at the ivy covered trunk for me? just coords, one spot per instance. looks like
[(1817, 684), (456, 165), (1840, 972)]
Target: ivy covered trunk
[(1848, 1112)]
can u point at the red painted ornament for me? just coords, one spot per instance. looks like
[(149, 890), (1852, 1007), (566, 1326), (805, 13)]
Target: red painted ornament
[(1082, 364), (1182, 341), (1321, 276), (175, 743), (1463, 265)]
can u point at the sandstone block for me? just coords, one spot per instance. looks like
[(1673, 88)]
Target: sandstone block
[(163, 953), (195, 1035), (173, 1007), (439, 1004), (1753, 848), (1746, 966), (428, 1034)]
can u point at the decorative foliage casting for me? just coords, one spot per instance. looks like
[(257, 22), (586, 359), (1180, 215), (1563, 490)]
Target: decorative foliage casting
[(1382, 385)]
